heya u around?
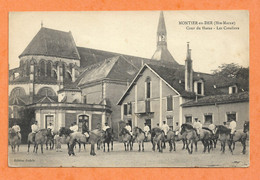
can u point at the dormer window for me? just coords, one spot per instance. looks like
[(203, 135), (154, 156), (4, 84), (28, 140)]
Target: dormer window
[(199, 87), (232, 89)]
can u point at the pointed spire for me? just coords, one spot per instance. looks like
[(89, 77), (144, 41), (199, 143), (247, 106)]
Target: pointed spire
[(161, 25)]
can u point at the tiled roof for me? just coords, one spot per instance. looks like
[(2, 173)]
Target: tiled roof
[(116, 68), (219, 99), (50, 42)]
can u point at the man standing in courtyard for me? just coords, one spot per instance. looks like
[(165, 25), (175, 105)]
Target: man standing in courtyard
[(35, 129), (146, 130), (232, 126), (198, 126)]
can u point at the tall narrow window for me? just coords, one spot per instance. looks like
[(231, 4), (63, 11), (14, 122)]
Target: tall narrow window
[(148, 87), (169, 103), (130, 108), (42, 68), (199, 88), (49, 69), (125, 109)]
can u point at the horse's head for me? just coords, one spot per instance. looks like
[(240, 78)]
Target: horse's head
[(64, 131), (221, 129), (11, 132), (246, 127)]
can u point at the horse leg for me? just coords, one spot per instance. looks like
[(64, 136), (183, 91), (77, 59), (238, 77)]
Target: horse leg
[(183, 147), (111, 145), (230, 148), (143, 146), (42, 147), (92, 152), (234, 144), (139, 144), (79, 146), (170, 145), (174, 146), (104, 144), (187, 145), (191, 147), (28, 147), (243, 142), (107, 147), (46, 145)]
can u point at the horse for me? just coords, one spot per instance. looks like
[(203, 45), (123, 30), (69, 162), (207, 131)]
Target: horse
[(74, 137), (172, 138), (50, 139), (239, 135), (14, 139), (139, 137), (245, 130), (157, 138), (127, 139), (40, 138), (107, 137), (192, 137)]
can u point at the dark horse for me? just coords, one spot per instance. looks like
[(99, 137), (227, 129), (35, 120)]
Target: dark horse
[(127, 139), (50, 139), (14, 140), (40, 138), (157, 138), (224, 136), (107, 137)]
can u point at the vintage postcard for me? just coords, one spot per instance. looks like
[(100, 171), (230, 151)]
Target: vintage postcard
[(129, 89)]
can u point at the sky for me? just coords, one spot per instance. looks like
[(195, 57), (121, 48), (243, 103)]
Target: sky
[(134, 33)]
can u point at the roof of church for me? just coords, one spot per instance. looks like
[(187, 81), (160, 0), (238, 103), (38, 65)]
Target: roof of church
[(116, 68), (163, 54), (50, 42), (219, 99), (175, 78)]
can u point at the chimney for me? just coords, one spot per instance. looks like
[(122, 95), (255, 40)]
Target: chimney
[(188, 71)]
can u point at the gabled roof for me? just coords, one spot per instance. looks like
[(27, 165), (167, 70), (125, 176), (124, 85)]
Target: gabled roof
[(116, 68), (219, 99), (175, 79), (50, 42)]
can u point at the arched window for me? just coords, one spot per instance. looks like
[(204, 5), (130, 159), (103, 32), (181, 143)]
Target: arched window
[(17, 92), (64, 70), (46, 91), (148, 87), (28, 68), (49, 67), (54, 74), (42, 68)]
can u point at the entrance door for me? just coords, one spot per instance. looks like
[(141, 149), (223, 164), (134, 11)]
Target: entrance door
[(148, 122), (81, 119), (49, 119)]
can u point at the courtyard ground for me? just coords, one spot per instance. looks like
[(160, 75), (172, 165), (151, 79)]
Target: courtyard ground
[(119, 158)]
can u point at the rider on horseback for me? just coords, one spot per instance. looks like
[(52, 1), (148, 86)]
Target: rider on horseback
[(232, 126), (85, 129), (165, 128), (105, 127), (177, 129), (17, 129), (51, 127), (198, 126), (35, 129), (146, 130), (128, 128), (212, 127)]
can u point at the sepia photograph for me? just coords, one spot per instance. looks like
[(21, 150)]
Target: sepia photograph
[(128, 89)]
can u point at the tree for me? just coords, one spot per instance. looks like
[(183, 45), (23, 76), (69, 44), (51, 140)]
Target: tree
[(232, 70), (26, 116)]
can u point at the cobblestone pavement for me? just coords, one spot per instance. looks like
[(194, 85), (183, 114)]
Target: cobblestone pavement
[(119, 158)]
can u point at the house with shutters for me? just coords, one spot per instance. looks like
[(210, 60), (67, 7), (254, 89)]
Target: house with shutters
[(163, 93)]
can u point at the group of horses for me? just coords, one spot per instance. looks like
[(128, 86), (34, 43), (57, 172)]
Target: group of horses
[(188, 135)]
